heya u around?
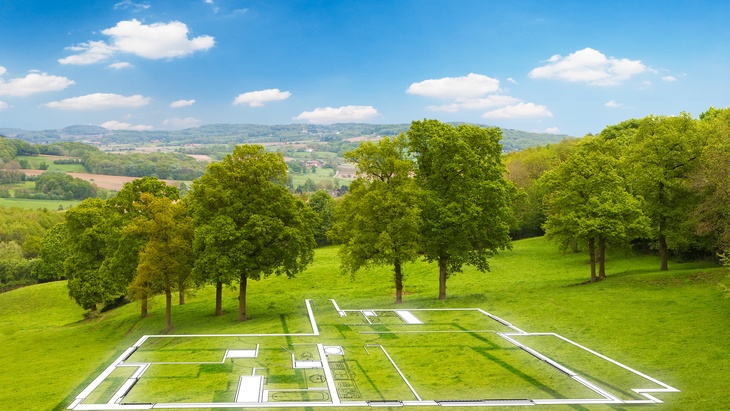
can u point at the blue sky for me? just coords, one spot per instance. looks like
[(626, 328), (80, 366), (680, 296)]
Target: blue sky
[(569, 67)]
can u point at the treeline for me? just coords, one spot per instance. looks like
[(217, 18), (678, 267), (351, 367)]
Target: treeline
[(174, 166), (657, 184), (58, 186), (21, 234)]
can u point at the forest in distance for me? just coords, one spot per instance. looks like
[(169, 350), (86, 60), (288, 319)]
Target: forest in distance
[(446, 193)]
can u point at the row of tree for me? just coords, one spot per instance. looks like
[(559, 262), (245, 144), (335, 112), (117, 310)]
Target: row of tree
[(238, 222), (660, 182)]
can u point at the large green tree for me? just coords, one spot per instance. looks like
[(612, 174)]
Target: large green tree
[(88, 245), (52, 254), (247, 224), (378, 221), (466, 209), (664, 153), (588, 201)]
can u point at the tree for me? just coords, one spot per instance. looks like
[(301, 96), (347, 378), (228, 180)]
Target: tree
[(247, 224), (664, 153), (125, 247), (588, 201), (89, 236), (324, 205), (52, 254), (466, 209), (711, 182), (378, 221), (166, 259)]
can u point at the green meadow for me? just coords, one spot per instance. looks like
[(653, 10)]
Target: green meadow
[(673, 326)]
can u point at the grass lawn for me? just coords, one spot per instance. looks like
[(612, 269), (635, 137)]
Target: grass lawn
[(37, 204), (671, 325), (35, 162)]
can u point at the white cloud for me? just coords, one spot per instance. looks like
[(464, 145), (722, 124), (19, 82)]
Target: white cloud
[(91, 52), (669, 78), (589, 66), (153, 41), (521, 110), (180, 123), (209, 1), (3, 105), (552, 130), (470, 86), (476, 103), (511, 80), (182, 103), (258, 98), (33, 83), (125, 4), (118, 125), (99, 101), (120, 65), (613, 104), (345, 114)]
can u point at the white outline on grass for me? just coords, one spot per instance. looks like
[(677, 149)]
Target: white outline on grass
[(408, 319)]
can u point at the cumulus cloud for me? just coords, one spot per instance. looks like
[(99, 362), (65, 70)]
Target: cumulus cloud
[(153, 41), (182, 103), (521, 110), (259, 98), (120, 65), (180, 123), (3, 105), (99, 101), (552, 130), (118, 125), (476, 103), (613, 104), (345, 114), (669, 78), (589, 66), (469, 86), (32, 83)]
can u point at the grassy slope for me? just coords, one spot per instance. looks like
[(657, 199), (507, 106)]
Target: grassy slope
[(671, 325)]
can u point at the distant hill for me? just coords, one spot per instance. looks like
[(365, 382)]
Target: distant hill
[(514, 140)]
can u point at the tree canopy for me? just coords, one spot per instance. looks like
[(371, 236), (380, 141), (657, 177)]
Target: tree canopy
[(248, 225), (466, 209)]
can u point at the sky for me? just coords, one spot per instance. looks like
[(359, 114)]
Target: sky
[(564, 67)]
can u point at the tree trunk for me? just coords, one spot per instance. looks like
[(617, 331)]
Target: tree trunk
[(601, 259), (592, 254), (143, 310), (242, 299), (168, 309), (575, 246), (442, 278), (182, 296), (398, 283), (663, 253), (218, 298)]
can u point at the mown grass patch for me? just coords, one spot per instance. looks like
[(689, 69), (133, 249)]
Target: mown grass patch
[(671, 325)]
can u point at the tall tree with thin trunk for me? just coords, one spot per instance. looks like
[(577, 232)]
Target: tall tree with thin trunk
[(166, 259), (466, 209), (247, 224), (378, 220)]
